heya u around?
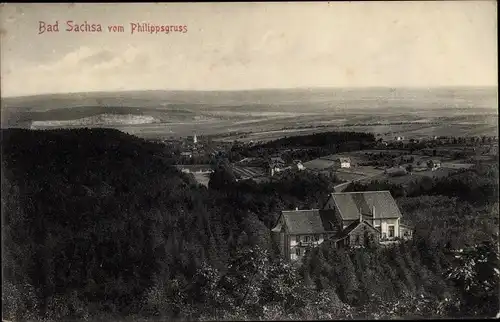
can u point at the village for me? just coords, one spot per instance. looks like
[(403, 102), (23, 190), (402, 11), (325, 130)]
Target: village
[(397, 161), (346, 219)]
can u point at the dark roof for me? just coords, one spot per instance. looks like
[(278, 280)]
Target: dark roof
[(303, 221), (276, 159), (344, 159), (351, 204), (327, 216), (247, 172), (353, 226)]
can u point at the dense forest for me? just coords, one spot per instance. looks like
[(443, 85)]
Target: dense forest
[(306, 147), (98, 224)]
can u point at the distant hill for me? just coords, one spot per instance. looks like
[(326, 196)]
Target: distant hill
[(179, 106)]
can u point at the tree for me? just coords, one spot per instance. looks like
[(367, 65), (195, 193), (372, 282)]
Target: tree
[(222, 178), (477, 275)]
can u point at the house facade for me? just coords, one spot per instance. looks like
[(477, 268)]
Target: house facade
[(297, 230), (405, 231), (342, 162), (376, 207), (352, 219), (298, 165), (276, 165), (434, 164)]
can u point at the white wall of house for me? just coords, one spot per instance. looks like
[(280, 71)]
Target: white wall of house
[(293, 239), (345, 165), (294, 245), (384, 224)]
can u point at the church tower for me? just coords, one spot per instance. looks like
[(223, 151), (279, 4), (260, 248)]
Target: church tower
[(195, 139)]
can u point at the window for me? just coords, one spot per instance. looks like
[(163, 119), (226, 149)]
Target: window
[(368, 239), (356, 240), (316, 237), (297, 251), (391, 231), (297, 239), (384, 235), (306, 239)]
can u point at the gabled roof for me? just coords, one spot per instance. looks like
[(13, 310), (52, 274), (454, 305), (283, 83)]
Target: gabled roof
[(303, 221), (278, 227), (327, 218), (351, 204), (344, 159), (276, 159), (353, 226)]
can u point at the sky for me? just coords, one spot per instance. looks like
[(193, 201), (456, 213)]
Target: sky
[(231, 46)]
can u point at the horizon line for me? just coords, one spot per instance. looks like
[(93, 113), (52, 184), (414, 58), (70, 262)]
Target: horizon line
[(255, 89)]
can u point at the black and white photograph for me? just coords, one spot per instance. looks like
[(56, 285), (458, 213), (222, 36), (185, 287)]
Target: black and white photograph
[(249, 161)]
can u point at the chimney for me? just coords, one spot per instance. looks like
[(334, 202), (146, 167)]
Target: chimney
[(373, 212), (360, 216)]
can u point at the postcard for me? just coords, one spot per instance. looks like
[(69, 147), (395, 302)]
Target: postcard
[(249, 161)]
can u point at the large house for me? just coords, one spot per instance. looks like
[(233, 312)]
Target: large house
[(298, 165), (276, 164), (347, 219), (343, 162), (434, 164)]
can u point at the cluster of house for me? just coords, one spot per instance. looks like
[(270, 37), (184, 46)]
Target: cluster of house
[(347, 219), (432, 165), (196, 168), (277, 164), (190, 147)]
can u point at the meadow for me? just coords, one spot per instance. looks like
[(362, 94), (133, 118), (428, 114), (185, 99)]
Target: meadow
[(263, 115)]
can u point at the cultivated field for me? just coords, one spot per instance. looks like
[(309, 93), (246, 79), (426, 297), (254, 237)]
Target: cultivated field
[(268, 114), (319, 164), (248, 172)]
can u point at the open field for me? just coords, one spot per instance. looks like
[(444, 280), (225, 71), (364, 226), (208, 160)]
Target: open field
[(346, 176), (263, 115), (453, 165), (406, 179), (358, 173), (248, 172), (202, 178), (439, 173), (319, 164)]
